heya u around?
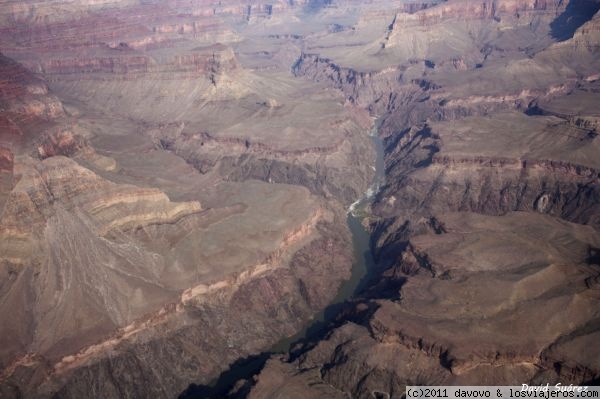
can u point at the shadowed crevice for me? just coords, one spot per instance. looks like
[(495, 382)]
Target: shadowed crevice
[(578, 12)]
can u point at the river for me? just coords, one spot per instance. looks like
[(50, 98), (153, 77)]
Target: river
[(363, 263), (363, 257)]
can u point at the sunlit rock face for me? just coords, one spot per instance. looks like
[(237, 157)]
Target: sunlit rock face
[(175, 175)]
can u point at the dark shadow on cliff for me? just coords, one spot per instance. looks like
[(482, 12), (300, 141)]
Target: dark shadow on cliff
[(314, 6), (342, 309), (373, 285), (578, 12), (594, 383), (354, 303), (241, 369), (356, 311)]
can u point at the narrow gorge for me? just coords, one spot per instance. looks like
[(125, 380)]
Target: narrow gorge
[(297, 199)]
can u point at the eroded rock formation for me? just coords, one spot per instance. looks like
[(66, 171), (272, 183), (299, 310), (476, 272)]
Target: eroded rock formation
[(486, 228), (174, 178), (135, 233)]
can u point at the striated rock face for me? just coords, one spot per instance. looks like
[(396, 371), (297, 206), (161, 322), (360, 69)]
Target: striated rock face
[(128, 64), (275, 160), (537, 165), (490, 9), (190, 93), (485, 231), (506, 173), (59, 179), (129, 116), (228, 318), (6, 160), (24, 100), (109, 268), (449, 312), (52, 221), (174, 179), (31, 19)]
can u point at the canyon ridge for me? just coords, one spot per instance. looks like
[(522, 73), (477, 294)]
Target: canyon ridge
[(297, 198)]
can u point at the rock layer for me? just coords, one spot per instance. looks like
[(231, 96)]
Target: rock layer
[(122, 119), (140, 112), (466, 290), (440, 315)]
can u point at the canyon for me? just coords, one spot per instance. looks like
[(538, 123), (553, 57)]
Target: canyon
[(176, 178)]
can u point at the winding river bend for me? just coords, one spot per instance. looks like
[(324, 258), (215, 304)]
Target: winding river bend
[(363, 264), (363, 258)]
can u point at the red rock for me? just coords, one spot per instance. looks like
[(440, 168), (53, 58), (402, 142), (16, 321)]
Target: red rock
[(6, 160)]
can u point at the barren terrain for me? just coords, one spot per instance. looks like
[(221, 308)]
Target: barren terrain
[(175, 178)]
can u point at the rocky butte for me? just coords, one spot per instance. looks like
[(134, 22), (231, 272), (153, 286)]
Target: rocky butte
[(175, 178)]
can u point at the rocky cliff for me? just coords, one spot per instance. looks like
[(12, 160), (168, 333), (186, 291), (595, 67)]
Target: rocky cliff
[(133, 226), (174, 178), (24, 100), (489, 212), (441, 315)]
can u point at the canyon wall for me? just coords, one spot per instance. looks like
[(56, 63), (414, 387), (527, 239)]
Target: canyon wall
[(174, 180), (486, 228), (166, 210)]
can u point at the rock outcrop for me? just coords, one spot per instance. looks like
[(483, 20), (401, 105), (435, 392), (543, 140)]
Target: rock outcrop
[(24, 100), (108, 270), (476, 303), (174, 179), (122, 118), (6, 160), (485, 231)]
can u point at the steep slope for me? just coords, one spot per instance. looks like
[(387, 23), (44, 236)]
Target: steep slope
[(135, 234), (175, 175), (484, 302), (479, 120)]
